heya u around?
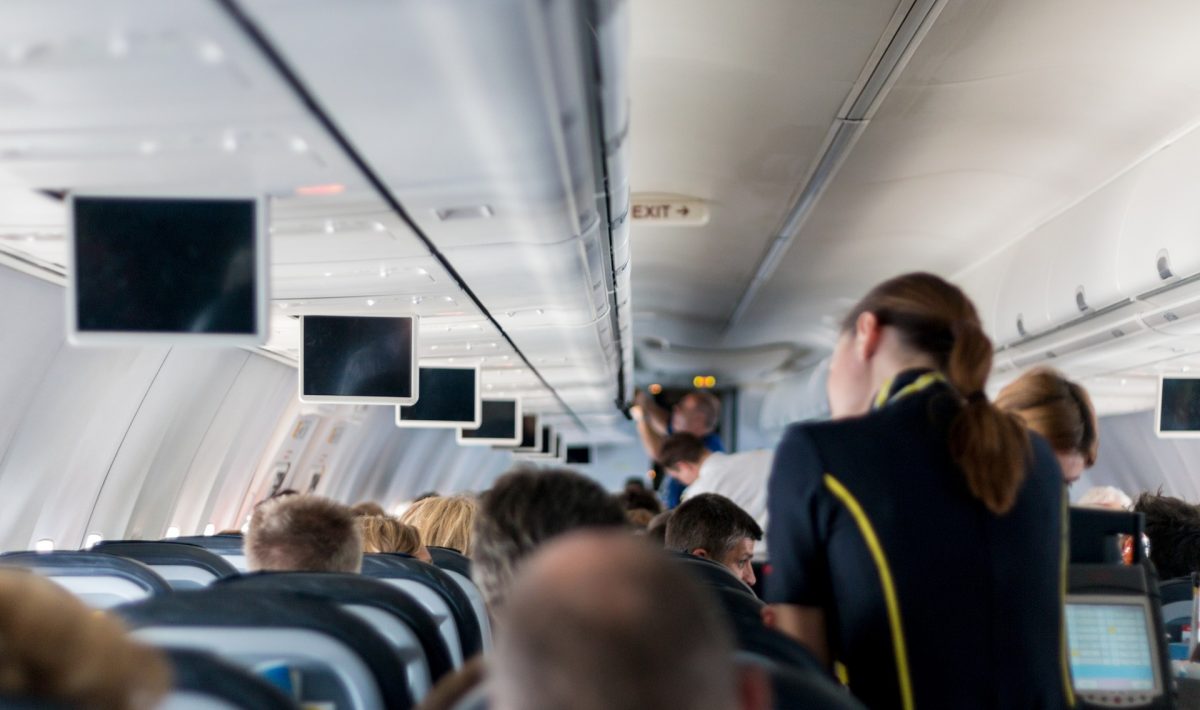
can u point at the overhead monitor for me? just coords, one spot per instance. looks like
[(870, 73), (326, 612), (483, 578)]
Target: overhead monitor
[(449, 398), (1178, 413), (546, 450), (531, 435), (359, 359), (1112, 650), (163, 270), (499, 426), (579, 455)]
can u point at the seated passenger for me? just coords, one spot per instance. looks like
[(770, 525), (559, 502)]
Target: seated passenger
[(639, 519), (1107, 497), (656, 530), (1173, 526), (741, 477), (639, 499), (586, 627), (368, 507), (525, 509), (303, 533), (713, 527), (443, 521), (53, 649), (383, 533), (1061, 411)]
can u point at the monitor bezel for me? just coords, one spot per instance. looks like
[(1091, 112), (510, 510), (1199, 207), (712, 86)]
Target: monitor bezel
[(541, 454), (1158, 407), (362, 399), (125, 338), (445, 423), (1151, 640), (458, 434), (537, 435)]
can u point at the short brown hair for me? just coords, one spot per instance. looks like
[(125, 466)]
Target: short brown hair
[(444, 521), (383, 533), (55, 649), (303, 533), (526, 508), (681, 447), (712, 523), (368, 507), (1055, 407)]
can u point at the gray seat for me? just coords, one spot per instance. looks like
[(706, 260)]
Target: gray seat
[(100, 580), (183, 565)]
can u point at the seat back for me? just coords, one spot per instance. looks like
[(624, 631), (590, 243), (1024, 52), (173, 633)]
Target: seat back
[(795, 688), (711, 573), (438, 592), (751, 635), (397, 616), (1177, 600), (458, 566), (202, 680), (1095, 535), (338, 657), (100, 580), (183, 565), (227, 546)]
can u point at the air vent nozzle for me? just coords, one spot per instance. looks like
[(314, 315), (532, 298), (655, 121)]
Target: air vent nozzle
[(1163, 263), (1080, 300)]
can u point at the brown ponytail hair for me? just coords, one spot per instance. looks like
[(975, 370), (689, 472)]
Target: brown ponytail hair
[(936, 318)]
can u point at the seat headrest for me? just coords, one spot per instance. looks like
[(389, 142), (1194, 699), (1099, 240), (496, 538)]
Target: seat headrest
[(388, 566)]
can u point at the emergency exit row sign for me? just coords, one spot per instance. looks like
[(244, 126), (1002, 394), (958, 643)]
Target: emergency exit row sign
[(668, 210)]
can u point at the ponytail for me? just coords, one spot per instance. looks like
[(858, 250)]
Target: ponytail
[(989, 445), (934, 317)]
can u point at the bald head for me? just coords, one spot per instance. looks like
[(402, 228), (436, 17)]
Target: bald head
[(601, 620)]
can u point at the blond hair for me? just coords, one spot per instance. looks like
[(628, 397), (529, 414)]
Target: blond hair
[(55, 649), (444, 521), (303, 533), (383, 533)]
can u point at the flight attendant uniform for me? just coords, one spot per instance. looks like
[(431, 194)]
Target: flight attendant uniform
[(931, 601)]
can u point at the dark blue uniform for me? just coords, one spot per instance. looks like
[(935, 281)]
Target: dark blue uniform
[(931, 600)]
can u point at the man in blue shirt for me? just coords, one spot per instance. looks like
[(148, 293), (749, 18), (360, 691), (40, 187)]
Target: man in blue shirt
[(697, 413)]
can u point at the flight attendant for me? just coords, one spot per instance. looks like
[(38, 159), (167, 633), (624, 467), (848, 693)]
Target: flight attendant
[(917, 539)]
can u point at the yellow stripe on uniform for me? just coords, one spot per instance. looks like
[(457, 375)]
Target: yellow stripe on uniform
[(885, 577), (1064, 555), (886, 395)]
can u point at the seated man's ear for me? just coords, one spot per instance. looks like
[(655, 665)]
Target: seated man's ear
[(699, 552), (754, 689)]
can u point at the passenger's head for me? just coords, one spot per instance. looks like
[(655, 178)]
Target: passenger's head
[(639, 499), (53, 649), (656, 529), (697, 413), (444, 521), (635, 483), (638, 519), (1107, 497), (303, 534), (714, 527), (602, 622), (682, 454), (525, 509), (368, 507), (919, 320), (1173, 526), (1061, 411), (383, 533)]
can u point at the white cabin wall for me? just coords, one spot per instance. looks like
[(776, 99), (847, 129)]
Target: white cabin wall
[(107, 440), (1133, 459)]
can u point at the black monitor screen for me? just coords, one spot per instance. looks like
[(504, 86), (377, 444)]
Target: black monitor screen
[(579, 454), (448, 394), (547, 441), (1179, 405), (529, 432), (499, 421), (166, 265), (358, 357)]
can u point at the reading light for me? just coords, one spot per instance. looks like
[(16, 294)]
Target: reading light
[(172, 532), (656, 389), (92, 540), (298, 145), (698, 381), (210, 529), (710, 382), (332, 188), (44, 545)]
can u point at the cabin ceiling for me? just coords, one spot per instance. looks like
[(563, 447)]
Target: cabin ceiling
[(1007, 114)]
